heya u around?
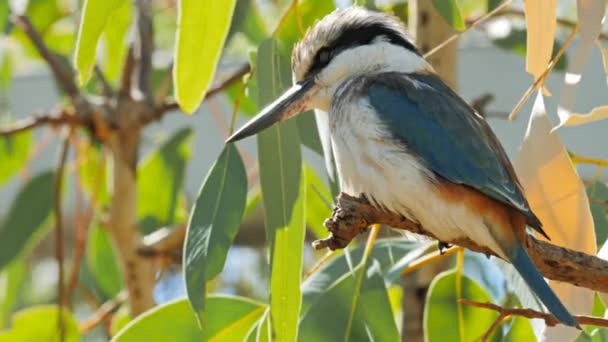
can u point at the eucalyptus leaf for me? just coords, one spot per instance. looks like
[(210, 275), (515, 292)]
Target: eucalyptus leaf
[(450, 12), (38, 323), (214, 222), (102, 261), (14, 152), (201, 31)]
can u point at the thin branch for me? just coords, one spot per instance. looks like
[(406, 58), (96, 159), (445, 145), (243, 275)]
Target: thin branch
[(106, 88), (529, 313), (62, 74), (127, 73), (145, 46), (104, 311), (502, 317), (59, 255), (38, 120), (165, 85), (353, 215), (236, 76)]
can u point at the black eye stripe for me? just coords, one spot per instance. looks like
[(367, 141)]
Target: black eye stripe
[(356, 35)]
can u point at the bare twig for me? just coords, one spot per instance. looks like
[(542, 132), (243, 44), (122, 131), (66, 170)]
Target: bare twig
[(170, 105), (62, 74), (59, 256), (502, 317), (104, 311), (127, 73), (38, 120), (145, 46), (353, 215), (529, 313)]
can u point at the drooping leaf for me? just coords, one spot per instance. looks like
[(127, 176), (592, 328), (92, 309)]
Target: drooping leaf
[(286, 272), (541, 24), (95, 16), (102, 262), (14, 152), (231, 321), (115, 46), (441, 313), (38, 323), (557, 196), (11, 280), (26, 217), (214, 222), (372, 318), (201, 31), (160, 181), (318, 203), (450, 12)]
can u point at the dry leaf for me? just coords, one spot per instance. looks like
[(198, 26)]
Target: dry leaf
[(590, 14), (557, 196), (541, 24)]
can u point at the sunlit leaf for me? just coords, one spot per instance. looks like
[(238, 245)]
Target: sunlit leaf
[(26, 217), (557, 196), (201, 31), (231, 321), (541, 24), (520, 330), (160, 181), (12, 280), (590, 14), (441, 316), (318, 202), (115, 46), (449, 11), (39, 323), (328, 316), (286, 272), (95, 16), (102, 262), (214, 222), (14, 152), (93, 173)]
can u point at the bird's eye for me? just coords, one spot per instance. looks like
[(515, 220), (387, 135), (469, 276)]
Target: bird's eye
[(324, 56)]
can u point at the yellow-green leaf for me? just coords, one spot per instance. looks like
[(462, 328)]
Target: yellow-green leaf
[(39, 323), (95, 15), (449, 11), (202, 29), (114, 40)]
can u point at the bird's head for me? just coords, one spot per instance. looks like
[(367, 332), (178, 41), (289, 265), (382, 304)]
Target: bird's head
[(346, 43)]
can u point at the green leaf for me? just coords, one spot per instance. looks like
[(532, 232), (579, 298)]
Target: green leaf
[(318, 203), (307, 129), (160, 182), (4, 14), (39, 323), (93, 173), (14, 151), (214, 222), (201, 31), (520, 330), (492, 4), (598, 192), (247, 19), (279, 153), (328, 317), (95, 16), (232, 319), (286, 273), (11, 283), (441, 316), (101, 259), (392, 254), (449, 11), (28, 212), (115, 45)]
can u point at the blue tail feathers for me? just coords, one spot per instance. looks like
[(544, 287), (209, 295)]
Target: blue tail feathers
[(523, 264)]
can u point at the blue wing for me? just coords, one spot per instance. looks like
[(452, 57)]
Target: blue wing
[(457, 144)]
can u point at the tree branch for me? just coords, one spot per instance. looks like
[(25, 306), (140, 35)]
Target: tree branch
[(37, 120), (236, 76), (529, 313), (62, 74), (145, 46), (352, 216), (127, 73)]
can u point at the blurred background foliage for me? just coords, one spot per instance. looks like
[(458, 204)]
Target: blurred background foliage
[(246, 256)]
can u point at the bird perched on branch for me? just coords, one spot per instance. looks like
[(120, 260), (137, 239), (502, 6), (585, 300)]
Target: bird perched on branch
[(406, 141)]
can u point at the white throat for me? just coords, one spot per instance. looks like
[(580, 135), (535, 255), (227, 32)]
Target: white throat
[(363, 60)]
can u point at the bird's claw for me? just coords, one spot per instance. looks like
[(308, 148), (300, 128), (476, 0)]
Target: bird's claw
[(443, 246)]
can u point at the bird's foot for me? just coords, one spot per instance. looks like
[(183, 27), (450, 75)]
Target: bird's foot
[(443, 246)]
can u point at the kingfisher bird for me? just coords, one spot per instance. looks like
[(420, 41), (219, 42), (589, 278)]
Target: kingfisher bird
[(406, 141)]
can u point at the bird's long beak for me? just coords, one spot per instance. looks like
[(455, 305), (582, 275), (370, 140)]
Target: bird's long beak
[(294, 101)]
